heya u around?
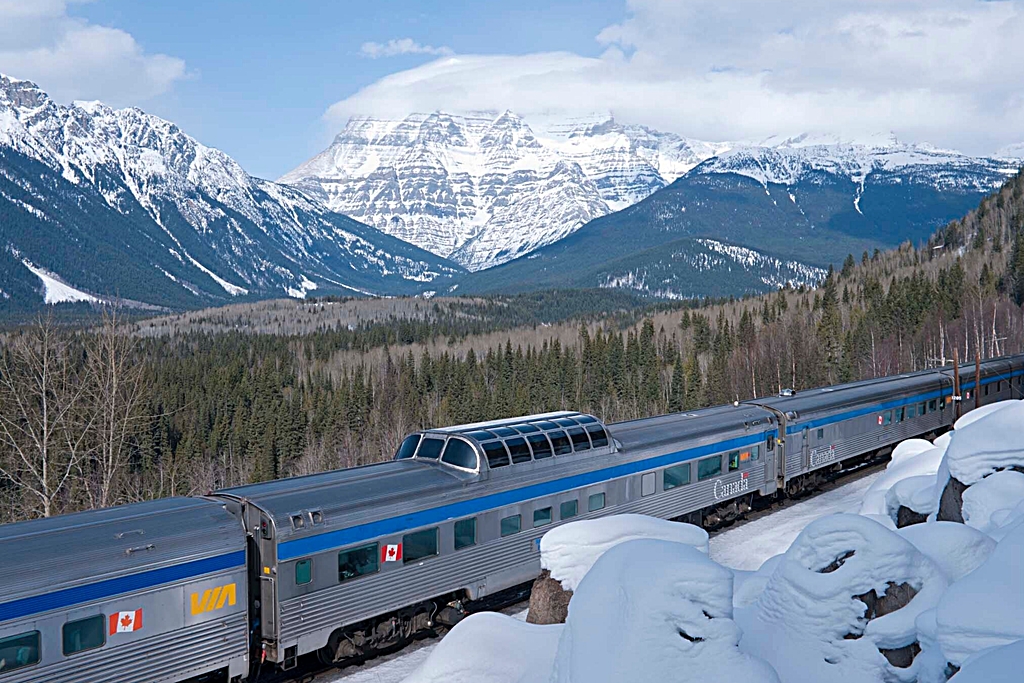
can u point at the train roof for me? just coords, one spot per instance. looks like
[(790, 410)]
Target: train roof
[(651, 432), (61, 552)]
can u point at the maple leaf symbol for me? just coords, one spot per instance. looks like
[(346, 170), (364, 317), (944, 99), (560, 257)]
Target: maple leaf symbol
[(126, 620)]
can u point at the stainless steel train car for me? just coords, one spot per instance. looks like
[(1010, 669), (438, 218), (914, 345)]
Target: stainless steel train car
[(348, 563), (154, 591)]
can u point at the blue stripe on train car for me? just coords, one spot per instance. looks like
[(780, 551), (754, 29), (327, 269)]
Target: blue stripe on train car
[(363, 532), (124, 584), (309, 545)]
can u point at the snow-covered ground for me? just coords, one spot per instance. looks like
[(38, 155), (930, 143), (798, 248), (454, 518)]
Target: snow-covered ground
[(746, 547)]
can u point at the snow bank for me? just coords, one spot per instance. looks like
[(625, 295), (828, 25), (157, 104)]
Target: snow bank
[(570, 550), (998, 665), (988, 504), (919, 459), (915, 493), (984, 411), (956, 549), (654, 610), (989, 442), (491, 648), (986, 607), (815, 620)]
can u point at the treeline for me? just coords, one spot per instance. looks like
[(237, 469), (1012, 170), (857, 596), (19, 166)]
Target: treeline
[(221, 409)]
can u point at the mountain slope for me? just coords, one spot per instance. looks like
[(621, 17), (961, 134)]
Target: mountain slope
[(118, 202), (810, 205), (484, 189)]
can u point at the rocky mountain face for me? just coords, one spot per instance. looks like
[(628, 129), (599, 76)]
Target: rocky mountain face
[(484, 189), (488, 188), (754, 216), (117, 202)]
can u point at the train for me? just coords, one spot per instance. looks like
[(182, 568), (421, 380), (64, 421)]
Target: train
[(346, 564)]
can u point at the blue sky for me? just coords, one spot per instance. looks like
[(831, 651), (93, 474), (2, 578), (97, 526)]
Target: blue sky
[(271, 81), (260, 75)]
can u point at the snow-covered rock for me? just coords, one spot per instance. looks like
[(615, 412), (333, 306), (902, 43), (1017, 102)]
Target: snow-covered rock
[(912, 458), (842, 604), (957, 549), (652, 610), (570, 550), (998, 665), (491, 648), (988, 503), (985, 608)]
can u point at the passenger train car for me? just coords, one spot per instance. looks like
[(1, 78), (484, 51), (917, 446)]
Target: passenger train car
[(346, 563)]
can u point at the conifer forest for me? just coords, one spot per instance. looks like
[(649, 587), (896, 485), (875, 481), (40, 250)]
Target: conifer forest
[(114, 411)]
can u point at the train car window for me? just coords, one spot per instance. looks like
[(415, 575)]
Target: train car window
[(419, 544), (303, 572), (84, 634), (987, 387), (595, 502), (676, 476), (911, 411), (922, 409), (560, 442), (504, 431), (465, 533), (541, 447), (565, 422), (430, 449), (568, 509), (526, 429), (899, 415), (481, 435), (542, 517), (931, 405), (460, 454), (888, 418), (770, 442), (709, 467), (648, 483), (598, 436), (358, 561), (546, 425), (519, 450), (20, 651), (734, 461), (755, 453), (408, 447), (511, 525), (586, 419), (496, 454), (579, 439), (821, 434)]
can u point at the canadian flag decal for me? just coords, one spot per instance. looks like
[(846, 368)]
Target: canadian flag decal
[(125, 622), (391, 553), (746, 474)]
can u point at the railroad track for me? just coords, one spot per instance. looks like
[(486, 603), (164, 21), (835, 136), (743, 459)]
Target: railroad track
[(310, 669)]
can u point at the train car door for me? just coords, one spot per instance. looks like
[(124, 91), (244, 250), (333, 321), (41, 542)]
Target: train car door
[(268, 586), (805, 447), (772, 451)]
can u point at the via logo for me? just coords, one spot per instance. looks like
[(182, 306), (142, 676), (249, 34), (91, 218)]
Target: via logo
[(213, 599)]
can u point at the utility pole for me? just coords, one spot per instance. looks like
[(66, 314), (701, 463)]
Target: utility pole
[(956, 384), (977, 378)]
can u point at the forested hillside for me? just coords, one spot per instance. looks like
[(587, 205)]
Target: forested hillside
[(110, 416)]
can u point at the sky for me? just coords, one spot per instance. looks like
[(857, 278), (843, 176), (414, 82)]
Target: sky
[(270, 82)]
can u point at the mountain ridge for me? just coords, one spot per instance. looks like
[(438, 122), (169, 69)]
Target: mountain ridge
[(173, 210)]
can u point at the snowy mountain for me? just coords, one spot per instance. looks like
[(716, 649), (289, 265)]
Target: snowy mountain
[(484, 189), (755, 216), (121, 202), (487, 188)]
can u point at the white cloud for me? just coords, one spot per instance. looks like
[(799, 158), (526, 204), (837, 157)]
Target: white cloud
[(71, 58), (943, 71), (400, 46)]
